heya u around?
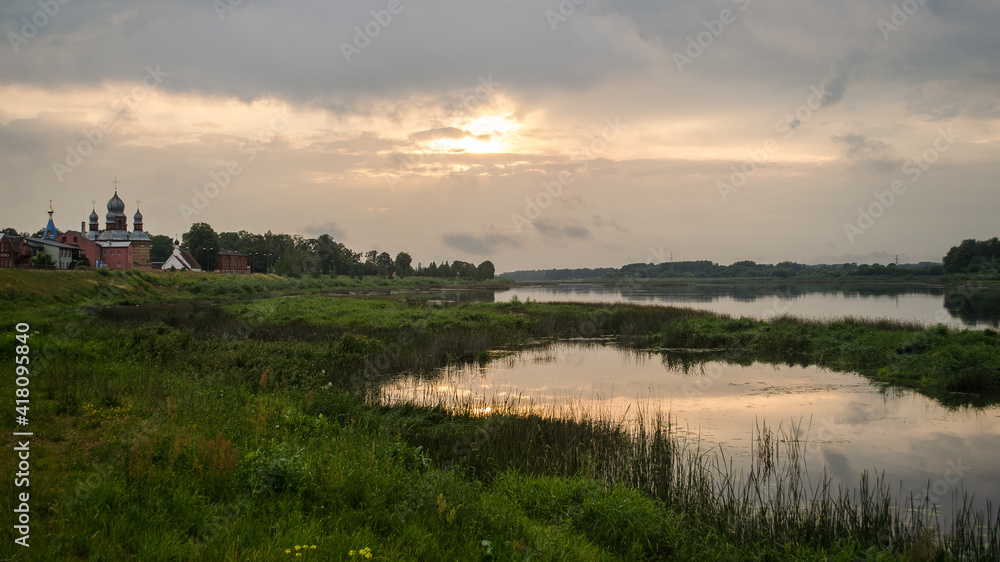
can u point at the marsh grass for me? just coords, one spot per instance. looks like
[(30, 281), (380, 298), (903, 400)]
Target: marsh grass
[(772, 502), (223, 441)]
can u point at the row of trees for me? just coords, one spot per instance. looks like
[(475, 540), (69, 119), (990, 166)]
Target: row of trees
[(704, 269), (296, 255), (973, 256)]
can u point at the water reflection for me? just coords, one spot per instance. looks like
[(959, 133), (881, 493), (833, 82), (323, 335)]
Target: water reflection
[(849, 425), (979, 307), (919, 303)]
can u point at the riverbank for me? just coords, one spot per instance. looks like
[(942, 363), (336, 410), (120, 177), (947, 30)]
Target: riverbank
[(170, 423)]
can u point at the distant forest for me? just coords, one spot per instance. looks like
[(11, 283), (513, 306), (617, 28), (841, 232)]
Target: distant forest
[(294, 255), (969, 257)]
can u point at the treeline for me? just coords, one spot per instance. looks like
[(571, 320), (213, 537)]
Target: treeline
[(782, 270), (581, 274), (973, 256), (294, 255), (705, 269)]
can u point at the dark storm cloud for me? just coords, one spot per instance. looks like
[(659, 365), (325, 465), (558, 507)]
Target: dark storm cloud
[(296, 50)]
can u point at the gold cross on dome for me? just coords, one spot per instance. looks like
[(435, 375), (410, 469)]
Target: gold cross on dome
[(93, 202), (137, 201), (116, 183)]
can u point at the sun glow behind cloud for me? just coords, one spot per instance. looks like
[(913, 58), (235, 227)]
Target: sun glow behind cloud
[(486, 134)]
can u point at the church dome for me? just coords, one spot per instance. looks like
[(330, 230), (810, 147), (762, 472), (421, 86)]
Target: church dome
[(93, 216), (116, 206), (138, 216)]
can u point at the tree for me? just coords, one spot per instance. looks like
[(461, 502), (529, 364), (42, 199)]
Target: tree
[(485, 271), (463, 270), (163, 246), (972, 255), (203, 243), (402, 263), (43, 261), (82, 263), (384, 264), (230, 241), (9, 232)]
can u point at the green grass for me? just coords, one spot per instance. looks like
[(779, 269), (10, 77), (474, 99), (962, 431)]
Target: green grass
[(169, 453), (176, 425)]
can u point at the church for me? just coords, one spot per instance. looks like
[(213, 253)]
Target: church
[(114, 247)]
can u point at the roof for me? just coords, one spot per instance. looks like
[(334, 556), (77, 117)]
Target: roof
[(113, 244), (181, 259), (15, 241), (140, 236), (225, 252), (116, 207), (190, 259), (113, 235), (46, 242), (50, 230)]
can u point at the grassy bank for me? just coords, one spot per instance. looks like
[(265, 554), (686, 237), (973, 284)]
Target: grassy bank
[(160, 442), (178, 424)]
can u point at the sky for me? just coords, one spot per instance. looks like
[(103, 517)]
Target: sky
[(544, 134)]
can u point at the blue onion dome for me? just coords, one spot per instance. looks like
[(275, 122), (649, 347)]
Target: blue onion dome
[(93, 216), (138, 216), (116, 205)]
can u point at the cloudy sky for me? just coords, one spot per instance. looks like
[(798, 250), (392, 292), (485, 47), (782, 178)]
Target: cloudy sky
[(580, 133)]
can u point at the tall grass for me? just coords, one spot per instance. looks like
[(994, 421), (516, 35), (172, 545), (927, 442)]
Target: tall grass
[(775, 501)]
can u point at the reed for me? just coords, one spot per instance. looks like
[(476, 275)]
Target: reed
[(773, 502)]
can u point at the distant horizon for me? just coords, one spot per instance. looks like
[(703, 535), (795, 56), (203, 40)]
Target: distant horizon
[(890, 258)]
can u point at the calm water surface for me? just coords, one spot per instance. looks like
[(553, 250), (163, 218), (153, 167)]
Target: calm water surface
[(970, 308), (850, 425)]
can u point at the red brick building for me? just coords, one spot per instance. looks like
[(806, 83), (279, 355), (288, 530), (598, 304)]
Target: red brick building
[(14, 252), (231, 261), (88, 248)]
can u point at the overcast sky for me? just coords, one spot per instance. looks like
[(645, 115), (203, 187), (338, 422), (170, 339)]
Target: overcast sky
[(535, 134)]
